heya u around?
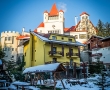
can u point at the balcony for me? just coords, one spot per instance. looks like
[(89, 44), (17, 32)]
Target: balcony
[(96, 47), (72, 54), (55, 53), (96, 55)]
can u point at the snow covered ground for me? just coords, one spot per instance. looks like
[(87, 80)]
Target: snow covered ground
[(88, 86)]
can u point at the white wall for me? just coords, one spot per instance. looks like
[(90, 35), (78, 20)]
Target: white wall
[(105, 54), (77, 33), (9, 44)]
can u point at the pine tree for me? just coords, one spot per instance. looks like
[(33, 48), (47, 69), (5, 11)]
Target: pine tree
[(103, 29), (100, 28), (107, 29), (2, 54)]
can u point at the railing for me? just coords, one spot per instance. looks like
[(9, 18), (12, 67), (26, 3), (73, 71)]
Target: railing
[(55, 52), (94, 46), (72, 54), (96, 54)]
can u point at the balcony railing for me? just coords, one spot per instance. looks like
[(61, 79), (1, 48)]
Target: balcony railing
[(55, 53), (72, 54), (96, 47), (96, 55)]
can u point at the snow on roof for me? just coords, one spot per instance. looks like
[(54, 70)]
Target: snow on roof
[(58, 41), (42, 68), (0, 62)]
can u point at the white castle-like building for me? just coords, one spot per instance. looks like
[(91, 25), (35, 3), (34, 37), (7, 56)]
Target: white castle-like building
[(9, 44), (53, 21)]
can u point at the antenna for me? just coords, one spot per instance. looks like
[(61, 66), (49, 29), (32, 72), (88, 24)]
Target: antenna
[(76, 20)]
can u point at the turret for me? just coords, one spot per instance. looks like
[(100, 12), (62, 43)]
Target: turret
[(61, 16), (45, 16), (84, 16)]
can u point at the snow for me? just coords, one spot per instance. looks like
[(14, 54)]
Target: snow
[(12, 87), (42, 68), (89, 86), (58, 41)]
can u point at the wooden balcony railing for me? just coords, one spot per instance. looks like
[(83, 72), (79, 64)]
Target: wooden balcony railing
[(72, 54), (55, 52), (94, 46), (96, 54)]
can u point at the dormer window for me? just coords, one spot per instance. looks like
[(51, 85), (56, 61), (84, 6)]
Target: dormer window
[(62, 38), (70, 40), (54, 37)]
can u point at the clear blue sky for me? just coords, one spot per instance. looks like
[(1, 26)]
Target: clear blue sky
[(16, 14)]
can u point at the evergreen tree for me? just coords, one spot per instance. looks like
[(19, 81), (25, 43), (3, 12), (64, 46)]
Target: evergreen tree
[(2, 54), (103, 29), (107, 29), (100, 28)]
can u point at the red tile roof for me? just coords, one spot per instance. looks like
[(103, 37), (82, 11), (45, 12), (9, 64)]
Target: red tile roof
[(46, 11), (61, 11), (84, 13), (66, 29), (23, 37), (70, 29), (41, 25), (53, 11), (35, 30)]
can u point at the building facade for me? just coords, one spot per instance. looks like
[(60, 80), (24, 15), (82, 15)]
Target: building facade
[(53, 21), (9, 44), (23, 37), (100, 49), (51, 48), (83, 30)]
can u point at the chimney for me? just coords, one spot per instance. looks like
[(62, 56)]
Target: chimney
[(76, 20), (23, 30)]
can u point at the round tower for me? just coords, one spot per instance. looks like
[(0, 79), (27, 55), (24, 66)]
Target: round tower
[(61, 16), (45, 16)]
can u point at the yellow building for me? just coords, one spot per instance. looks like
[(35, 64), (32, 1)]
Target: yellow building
[(48, 48)]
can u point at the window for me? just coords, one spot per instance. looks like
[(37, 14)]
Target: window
[(62, 38), (12, 39), (12, 49), (12, 56), (54, 50), (83, 17), (54, 37), (54, 60), (5, 38), (9, 38), (5, 49), (71, 50), (25, 53), (71, 63), (70, 40), (8, 49), (76, 36), (82, 36)]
